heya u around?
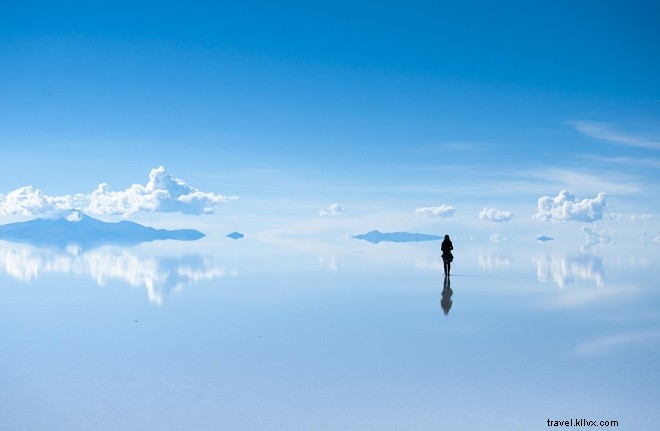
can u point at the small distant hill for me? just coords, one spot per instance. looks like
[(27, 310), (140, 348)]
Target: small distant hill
[(75, 227), (375, 237), (235, 235)]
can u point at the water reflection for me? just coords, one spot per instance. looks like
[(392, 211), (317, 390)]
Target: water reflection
[(567, 270), (376, 236), (446, 301), (331, 263), (160, 276), (430, 263), (491, 262)]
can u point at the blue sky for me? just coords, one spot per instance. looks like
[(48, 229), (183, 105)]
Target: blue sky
[(377, 106), (300, 124)]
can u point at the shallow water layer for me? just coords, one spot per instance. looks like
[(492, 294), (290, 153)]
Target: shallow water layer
[(340, 336)]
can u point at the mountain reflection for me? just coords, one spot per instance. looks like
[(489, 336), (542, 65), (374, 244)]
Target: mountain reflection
[(160, 276), (566, 270)]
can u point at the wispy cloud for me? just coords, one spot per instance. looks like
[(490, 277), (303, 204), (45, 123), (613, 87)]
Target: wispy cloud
[(565, 207), (585, 182), (162, 193), (442, 211), (495, 215), (611, 342), (632, 161), (606, 133), (463, 146)]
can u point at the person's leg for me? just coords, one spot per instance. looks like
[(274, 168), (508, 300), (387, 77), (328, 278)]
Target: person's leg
[(445, 265), (448, 269)]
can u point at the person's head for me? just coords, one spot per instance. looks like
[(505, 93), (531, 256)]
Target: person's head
[(446, 237)]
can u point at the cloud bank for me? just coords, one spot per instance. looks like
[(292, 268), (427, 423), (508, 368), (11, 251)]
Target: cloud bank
[(333, 210), (442, 211), (565, 207), (496, 216), (162, 193)]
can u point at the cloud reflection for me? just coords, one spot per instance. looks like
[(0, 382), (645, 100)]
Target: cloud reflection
[(331, 263), (567, 270), (160, 276), (491, 262), (430, 263)]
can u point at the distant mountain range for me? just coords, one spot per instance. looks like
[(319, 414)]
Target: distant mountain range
[(74, 227), (375, 237)]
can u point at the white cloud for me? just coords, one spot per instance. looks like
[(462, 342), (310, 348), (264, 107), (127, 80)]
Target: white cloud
[(616, 216), (440, 211), (495, 215), (566, 207), (496, 238), (604, 132), (333, 210), (163, 193), (28, 201), (640, 217), (597, 238)]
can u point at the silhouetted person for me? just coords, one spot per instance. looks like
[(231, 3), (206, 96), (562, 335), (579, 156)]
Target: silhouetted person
[(446, 296), (447, 257)]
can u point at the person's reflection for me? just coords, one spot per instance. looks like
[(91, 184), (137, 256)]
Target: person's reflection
[(446, 301)]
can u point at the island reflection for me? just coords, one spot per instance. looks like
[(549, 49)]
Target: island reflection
[(160, 276)]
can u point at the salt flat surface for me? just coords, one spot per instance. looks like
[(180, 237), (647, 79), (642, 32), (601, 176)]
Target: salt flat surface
[(336, 335)]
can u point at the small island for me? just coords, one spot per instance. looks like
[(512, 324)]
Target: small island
[(235, 235)]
